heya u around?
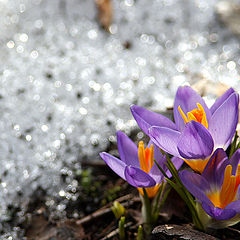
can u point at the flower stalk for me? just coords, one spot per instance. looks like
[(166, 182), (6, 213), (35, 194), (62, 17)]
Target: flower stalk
[(235, 145), (121, 228), (159, 200), (140, 233), (151, 207), (182, 191), (146, 212)]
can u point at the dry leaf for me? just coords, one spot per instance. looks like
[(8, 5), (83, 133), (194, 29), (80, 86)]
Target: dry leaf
[(105, 13), (172, 231)]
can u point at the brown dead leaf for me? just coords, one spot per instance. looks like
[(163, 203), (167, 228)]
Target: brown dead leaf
[(41, 228), (105, 13), (172, 231)]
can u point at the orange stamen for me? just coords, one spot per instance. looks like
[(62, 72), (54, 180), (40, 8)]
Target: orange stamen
[(227, 194), (237, 177), (183, 115), (215, 198), (226, 180), (145, 157), (197, 115), (146, 163), (141, 156), (150, 162)]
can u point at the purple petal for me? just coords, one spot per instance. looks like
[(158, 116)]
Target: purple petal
[(214, 171), (158, 156), (223, 123), (145, 119), (187, 99), (196, 185), (218, 213), (115, 164), (165, 138), (238, 193), (177, 162), (195, 141), (127, 149), (221, 100), (155, 173), (234, 161), (234, 205), (138, 178)]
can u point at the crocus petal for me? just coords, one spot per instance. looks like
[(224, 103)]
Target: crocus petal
[(165, 138), (234, 161), (158, 156), (145, 119), (138, 178), (196, 185), (127, 149), (177, 162), (195, 141), (155, 173), (214, 171), (115, 164), (238, 193), (222, 125), (221, 100), (187, 99), (234, 205), (218, 213)]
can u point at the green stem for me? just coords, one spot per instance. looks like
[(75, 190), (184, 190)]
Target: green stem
[(238, 146), (163, 199), (182, 191), (121, 228), (164, 174), (190, 203), (159, 201), (233, 145), (140, 233), (147, 213)]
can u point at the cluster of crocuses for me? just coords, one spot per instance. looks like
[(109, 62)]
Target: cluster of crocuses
[(199, 137)]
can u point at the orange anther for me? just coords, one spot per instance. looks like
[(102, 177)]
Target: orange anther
[(197, 115)]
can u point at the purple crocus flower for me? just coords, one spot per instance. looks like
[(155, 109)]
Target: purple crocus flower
[(217, 189), (136, 164), (197, 130)]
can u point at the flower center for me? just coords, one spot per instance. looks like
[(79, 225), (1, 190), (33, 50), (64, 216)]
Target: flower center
[(227, 194), (146, 162), (145, 157), (197, 115)]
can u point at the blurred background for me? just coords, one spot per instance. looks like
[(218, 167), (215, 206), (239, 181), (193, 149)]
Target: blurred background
[(70, 70)]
